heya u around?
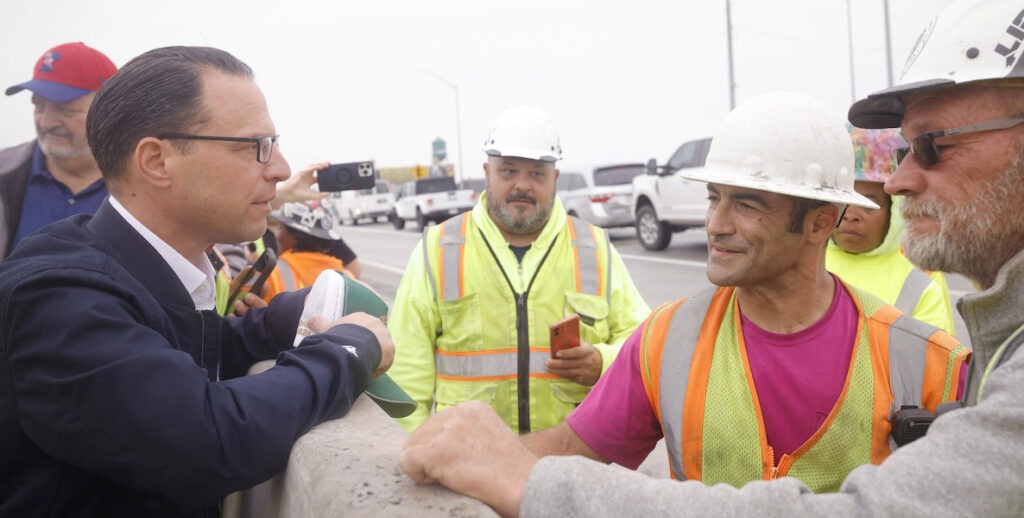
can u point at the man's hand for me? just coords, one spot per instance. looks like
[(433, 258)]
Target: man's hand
[(299, 186), (469, 449), (247, 302), (580, 364), (319, 324)]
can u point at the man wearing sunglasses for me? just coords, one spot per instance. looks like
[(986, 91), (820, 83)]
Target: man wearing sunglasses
[(865, 248), (122, 391), (962, 199)]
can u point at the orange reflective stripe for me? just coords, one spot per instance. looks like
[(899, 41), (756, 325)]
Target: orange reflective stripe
[(696, 389), (652, 343), (942, 370), (505, 377), (878, 340)]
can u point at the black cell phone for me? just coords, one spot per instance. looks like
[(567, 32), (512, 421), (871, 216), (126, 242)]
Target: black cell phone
[(352, 176), (264, 265)]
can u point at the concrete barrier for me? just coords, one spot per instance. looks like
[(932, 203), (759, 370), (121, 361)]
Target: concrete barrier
[(349, 467)]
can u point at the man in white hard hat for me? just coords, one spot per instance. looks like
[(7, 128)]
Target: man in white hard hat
[(781, 371), (472, 313), (962, 187)]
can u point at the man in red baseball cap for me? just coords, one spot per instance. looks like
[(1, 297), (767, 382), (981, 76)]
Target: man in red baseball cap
[(54, 176)]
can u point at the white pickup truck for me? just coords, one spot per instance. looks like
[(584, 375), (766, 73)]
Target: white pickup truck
[(431, 199), (664, 202), (372, 204)]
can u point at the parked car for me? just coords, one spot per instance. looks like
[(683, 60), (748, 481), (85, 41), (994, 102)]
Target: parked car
[(570, 181), (607, 202), (430, 199), (372, 204), (477, 185), (664, 202)]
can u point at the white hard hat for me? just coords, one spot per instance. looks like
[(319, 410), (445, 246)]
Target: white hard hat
[(784, 143), (970, 41), (524, 132), (314, 218)]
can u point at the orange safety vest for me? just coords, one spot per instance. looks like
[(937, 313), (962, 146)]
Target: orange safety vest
[(695, 372), (296, 270)]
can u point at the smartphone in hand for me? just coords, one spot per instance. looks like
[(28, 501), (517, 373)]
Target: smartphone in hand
[(565, 334), (264, 265)]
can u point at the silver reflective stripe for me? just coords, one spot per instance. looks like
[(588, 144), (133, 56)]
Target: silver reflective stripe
[(451, 245), (677, 356), (497, 364), (586, 251), (908, 343), (913, 289), (287, 277)]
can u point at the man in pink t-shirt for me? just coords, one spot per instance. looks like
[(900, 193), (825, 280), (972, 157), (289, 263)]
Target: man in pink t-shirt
[(783, 370)]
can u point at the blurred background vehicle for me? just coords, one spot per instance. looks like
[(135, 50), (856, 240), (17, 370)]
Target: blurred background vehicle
[(365, 204), (664, 202), (430, 199), (477, 185), (605, 197)]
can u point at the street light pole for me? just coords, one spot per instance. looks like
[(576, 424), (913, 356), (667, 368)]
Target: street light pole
[(458, 115), (728, 37), (888, 43)]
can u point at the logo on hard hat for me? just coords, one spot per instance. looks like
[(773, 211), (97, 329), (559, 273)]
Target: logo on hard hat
[(1015, 29), (918, 46)]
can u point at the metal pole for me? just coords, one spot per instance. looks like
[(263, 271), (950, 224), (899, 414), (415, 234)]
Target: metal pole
[(458, 115), (458, 134), (728, 32), (849, 33), (888, 43)]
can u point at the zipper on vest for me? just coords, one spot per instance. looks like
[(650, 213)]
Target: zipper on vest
[(522, 334), (773, 470), (523, 363)]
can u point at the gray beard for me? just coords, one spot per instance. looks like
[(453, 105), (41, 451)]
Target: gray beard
[(974, 239), (507, 222)]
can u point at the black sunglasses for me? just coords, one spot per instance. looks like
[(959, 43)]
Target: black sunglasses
[(928, 153)]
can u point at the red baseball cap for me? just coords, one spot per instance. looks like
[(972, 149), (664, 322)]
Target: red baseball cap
[(67, 72)]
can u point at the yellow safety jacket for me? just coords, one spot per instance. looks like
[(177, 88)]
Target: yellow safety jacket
[(471, 322), (698, 381), (887, 274)]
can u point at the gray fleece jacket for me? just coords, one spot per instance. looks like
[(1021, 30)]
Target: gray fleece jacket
[(971, 463)]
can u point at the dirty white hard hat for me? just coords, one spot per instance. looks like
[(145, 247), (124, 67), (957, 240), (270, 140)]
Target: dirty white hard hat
[(970, 41), (524, 132), (784, 143)]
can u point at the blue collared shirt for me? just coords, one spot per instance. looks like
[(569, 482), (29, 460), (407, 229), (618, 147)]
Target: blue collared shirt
[(48, 200)]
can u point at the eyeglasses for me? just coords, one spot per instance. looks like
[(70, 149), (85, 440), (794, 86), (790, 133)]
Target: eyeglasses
[(264, 149), (929, 153)]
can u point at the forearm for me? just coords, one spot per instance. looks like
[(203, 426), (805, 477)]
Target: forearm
[(559, 440)]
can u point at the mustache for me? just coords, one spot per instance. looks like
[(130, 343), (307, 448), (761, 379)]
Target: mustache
[(56, 132), (521, 198), (919, 209)]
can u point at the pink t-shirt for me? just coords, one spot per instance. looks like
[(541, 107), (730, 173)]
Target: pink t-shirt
[(798, 377)]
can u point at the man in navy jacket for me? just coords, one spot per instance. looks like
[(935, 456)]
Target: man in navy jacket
[(122, 392)]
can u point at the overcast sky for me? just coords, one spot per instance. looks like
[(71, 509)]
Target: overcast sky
[(625, 80)]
